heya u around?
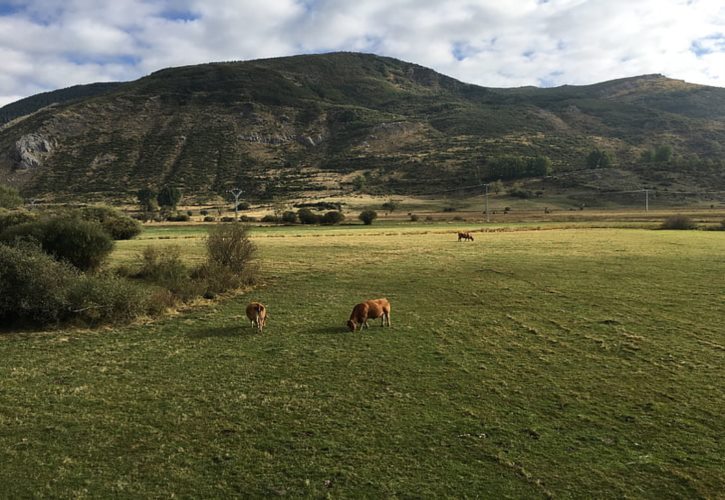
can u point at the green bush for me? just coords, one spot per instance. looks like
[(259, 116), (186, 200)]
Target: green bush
[(289, 217), (230, 258), (165, 268), (271, 219), (114, 222), (10, 218), (678, 222), (332, 217), (178, 218), (9, 197), (106, 299), (368, 216), (209, 218), (33, 286), (307, 216)]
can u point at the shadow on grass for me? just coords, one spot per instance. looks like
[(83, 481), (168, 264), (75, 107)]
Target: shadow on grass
[(222, 331), (326, 330)]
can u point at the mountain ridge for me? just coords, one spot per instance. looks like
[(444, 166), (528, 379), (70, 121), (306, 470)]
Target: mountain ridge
[(340, 122)]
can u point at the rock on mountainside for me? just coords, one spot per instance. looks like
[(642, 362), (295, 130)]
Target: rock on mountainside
[(305, 124)]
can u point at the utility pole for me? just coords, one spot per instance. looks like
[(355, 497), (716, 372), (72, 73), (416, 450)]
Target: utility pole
[(486, 194), (236, 192), (646, 200)]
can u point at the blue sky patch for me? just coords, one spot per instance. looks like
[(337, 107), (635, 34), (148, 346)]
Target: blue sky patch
[(708, 45), (10, 8), (101, 60), (180, 15)]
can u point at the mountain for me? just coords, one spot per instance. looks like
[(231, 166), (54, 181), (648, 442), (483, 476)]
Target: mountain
[(313, 124)]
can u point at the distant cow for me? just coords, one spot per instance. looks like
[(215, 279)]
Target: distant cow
[(465, 236), (370, 309), (257, 314)]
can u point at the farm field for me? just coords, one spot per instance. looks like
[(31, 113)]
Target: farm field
[(566, 362)]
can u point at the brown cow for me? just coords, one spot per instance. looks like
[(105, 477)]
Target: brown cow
[(370, 309), (257, 314), (465, 236)]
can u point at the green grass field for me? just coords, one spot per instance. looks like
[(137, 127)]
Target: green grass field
[(567, 362)]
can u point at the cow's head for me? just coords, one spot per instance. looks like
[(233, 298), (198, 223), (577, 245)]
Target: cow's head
[(351, 325)]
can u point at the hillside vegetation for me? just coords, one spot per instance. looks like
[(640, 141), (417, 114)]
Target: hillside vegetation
[(343, 122)]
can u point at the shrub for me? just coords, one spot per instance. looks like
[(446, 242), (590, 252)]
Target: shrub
[(368, 216), (115, 223), (14, 217), (209, 218), (230, 258), (678, 222), (414, 218), (165, 268), (247, 218), (271, 219), (204, 212), (82, 243), (178, 217), (243, 206), (289, 217), (33, 286), (307, 216), (332, 217), (449, 209), (9, 197), (106, 299), (227, 219)]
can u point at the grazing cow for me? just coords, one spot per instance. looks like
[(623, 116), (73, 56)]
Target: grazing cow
[(465, 236), (370, 309), (257, 314)]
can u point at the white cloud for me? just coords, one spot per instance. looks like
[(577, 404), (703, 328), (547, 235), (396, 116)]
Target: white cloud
[(47, 44)]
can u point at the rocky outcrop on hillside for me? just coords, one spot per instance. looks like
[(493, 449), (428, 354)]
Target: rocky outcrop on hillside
[(32, 149)]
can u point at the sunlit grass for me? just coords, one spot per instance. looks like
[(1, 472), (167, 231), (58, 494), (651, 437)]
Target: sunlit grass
[(561, 362)]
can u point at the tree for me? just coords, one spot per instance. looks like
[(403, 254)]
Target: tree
[(391, 205), (663, 153), (147, 199), (169, 197), (599, 158), (307, 216), (332, 217), (368, 216), (9, 197)]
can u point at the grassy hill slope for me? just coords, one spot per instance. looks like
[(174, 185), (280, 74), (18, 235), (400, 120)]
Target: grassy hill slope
[(336, 122)]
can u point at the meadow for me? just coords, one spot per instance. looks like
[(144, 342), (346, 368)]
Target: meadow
[(542, 361)]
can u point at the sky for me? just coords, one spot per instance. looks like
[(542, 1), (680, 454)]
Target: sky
[(51, 44)]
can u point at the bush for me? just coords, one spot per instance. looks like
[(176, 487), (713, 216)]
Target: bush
[(678, 222), (333, 217), (178, 217), (10, 218), (230, 258), (449, 209), (204, 212), (247, 218), (243, 206), (82, 243), (307, 216), (9, 197), (106, 299), (33, 286), (368, 216), (271, 219), (165, 268), (289, 217), (414, 218), (209, 218), (115, 223), (227, 219)]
